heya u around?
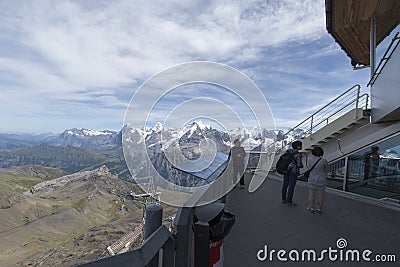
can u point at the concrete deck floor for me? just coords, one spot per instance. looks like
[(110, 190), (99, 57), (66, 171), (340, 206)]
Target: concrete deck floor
[(261, 219)]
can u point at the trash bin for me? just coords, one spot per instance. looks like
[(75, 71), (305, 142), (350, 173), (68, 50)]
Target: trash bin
[(218, 223)]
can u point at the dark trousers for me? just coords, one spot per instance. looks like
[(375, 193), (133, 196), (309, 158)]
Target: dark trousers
[(289, 182), (236, 173)]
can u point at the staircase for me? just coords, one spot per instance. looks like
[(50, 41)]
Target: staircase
[(346, 112), (352, 119)]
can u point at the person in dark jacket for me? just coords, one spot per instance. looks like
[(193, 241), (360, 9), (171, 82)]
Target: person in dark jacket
[(238, 155), (290, 179)]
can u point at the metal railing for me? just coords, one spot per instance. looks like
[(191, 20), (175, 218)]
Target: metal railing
[(388, 54), (350, 99), (161, 239), (181, 247)]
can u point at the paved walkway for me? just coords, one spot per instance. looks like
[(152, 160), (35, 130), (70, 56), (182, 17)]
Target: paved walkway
[(261, 219)]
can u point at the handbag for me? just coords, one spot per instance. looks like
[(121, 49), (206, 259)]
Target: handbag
[(307, 173)]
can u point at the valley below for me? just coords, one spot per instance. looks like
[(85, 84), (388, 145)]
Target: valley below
[(48, 218)]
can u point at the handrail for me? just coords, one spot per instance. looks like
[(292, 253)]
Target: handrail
[(384, 59), (311, 116), (356, 100), (333, 109)]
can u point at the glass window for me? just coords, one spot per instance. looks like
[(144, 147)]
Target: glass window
[(373, 171), (336, 174)]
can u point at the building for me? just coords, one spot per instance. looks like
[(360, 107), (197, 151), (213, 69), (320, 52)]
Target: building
[(361, 133)]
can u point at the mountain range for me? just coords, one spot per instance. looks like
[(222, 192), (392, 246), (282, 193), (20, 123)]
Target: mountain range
[(83, 149), (60, 200), (81, 138), (165, 146), (60, 193)]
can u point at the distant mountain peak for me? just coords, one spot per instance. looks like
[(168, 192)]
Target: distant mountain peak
[(87, 132), (158, 127), (201, 125), (194, 126)]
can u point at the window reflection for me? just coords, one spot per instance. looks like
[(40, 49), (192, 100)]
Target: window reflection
[(336, 174), (374, 171)]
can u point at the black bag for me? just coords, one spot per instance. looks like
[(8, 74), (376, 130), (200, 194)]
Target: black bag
[(283, 163), (220, 226), (306, 174)]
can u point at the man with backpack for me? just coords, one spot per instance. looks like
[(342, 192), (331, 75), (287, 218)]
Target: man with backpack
[(289, 165)]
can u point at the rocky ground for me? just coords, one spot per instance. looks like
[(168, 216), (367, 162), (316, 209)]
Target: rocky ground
[(66, 221)]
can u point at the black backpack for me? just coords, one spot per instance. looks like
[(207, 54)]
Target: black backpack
[(283, 162)]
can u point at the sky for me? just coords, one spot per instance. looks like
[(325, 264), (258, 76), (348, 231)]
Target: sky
[(78, 64)]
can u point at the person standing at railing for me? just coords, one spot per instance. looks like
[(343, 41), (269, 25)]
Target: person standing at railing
[(318, 178), (375, 160), (290, 179), (238, 154), (371, 163)]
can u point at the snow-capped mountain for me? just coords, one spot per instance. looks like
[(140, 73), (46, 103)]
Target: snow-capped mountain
[(85, 138), (157, 128), (285, 138), (189, 137), (164, 147), (168, 146)]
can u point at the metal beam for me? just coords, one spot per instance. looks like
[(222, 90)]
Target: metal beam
[(372, 45)]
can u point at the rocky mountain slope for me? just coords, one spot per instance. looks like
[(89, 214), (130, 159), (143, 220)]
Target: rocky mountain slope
[(62, 221)]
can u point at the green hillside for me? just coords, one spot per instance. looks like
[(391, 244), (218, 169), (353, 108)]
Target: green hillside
[(15, 180), (69, 159)]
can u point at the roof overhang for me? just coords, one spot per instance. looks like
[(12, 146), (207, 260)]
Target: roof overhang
[(349, 22)]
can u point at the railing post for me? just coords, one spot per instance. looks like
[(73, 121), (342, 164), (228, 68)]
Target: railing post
[(202, 244), (153, 222), (346, 173), (168, 259), (183, 236), (357, 100)]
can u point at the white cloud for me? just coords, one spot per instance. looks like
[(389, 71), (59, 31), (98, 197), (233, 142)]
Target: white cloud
[(84, 52)]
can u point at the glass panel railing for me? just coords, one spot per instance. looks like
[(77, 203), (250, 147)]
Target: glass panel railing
[(373, 171), (336, 174), (372, 177)]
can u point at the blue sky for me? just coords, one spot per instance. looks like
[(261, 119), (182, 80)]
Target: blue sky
[(66, 64)]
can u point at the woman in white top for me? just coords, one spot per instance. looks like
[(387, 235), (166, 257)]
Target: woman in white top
[(317, 179)]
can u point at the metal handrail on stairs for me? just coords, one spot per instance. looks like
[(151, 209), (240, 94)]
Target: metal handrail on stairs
[(350, 99), (388, 54)]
